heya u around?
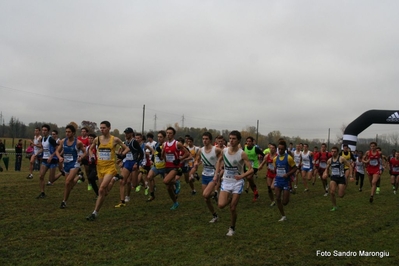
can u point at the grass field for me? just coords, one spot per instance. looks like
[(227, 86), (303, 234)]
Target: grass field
[(36, 232)]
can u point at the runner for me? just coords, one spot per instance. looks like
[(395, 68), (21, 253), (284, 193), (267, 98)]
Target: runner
[(170, 153), (306, 165), (252, 152), (190, 175), (271, 171), (323, 157), (130, 167), (337, 164), (50, 160), (106, 169), (348, 155), (159, 164), (285, 167), (372, 159), (359, 169), (394, 171), (73, 151), (37, 140), (208, 156), (233, 159)]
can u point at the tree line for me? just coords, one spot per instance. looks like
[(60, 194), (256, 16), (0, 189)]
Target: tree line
[(16, 129)]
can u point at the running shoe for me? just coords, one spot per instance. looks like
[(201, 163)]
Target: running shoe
[(231, 232), (146, 191), (89, 187), (120, 205), (256, 195), (174, 206), (360, 189), (91, 217), (273, 204), (151, 198), (193, 193), (325, 194), (214, 219), (394, 192), (284, 218), (63, 205), (371, 199), (49, 183), (30, 176), (306, 190), (127, 198), (41, 196), (333, 209), (138, 188), (393, 187), (377, 191)]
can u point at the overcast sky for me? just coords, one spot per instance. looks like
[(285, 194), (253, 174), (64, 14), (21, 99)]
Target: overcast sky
[(300, 67)]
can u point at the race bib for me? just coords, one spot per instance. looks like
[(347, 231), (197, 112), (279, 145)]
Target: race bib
[(306, 164), (230, 173), (374, 162), (270, 166), (281, 172), (46, 154), (129, 156), (252, 163), (323, 164), (208, 171), (335, 172), (170, 157), (68, 158), (395, 169), (104, 154)]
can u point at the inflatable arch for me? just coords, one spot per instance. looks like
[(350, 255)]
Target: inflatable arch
[(364, 121)]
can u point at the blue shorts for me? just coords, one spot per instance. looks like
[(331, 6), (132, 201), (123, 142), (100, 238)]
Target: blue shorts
[(206, 179), (71, 165), (157, 171), (128, 164), (282, 183), (305, 169), (52, 164)]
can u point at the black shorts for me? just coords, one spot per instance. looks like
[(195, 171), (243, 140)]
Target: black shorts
[(177, 169), (339, 180)]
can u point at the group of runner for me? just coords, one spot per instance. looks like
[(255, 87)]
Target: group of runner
[(226, 166)]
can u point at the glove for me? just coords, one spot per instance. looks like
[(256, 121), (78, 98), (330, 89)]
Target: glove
[(176, 161), (120, 156)]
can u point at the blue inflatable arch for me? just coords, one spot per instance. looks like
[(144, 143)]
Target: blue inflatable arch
[(364, 121)]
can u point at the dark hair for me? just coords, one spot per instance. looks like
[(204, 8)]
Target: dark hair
[(207, 134), (150, 135), (345, 145), (71, 127), (236, 133), (162, 132), (84, 128), (373, 142), (106, 123), (220, 137), (335, 148), (38, 128), (274, 145), (92, 135), (46, 126), (171, 128), (283, 143), (187, 136), (190, 138), (251, 138), (180, 139), (55, 131)]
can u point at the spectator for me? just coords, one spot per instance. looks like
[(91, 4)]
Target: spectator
[(18, 155)]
